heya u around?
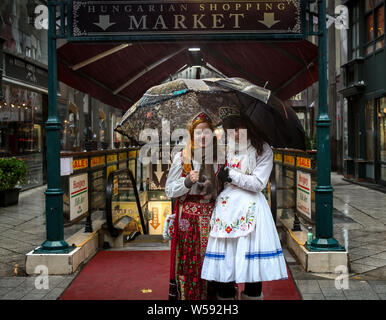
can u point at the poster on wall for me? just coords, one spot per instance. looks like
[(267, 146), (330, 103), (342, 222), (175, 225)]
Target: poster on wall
[(158, 211), (78, 195), (130, 209), (303, 203)]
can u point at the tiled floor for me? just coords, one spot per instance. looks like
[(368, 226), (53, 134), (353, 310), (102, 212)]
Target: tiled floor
[(32, 288)]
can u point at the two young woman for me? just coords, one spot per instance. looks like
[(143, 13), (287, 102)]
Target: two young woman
[(228, 237)]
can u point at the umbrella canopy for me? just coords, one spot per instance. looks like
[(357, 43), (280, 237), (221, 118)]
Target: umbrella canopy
[(179, 100)]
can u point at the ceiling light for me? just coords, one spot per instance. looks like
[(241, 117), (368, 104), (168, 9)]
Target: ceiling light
[(194, 49)]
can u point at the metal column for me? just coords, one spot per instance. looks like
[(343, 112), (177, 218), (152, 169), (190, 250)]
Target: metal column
[(324, 240), (54, 194)]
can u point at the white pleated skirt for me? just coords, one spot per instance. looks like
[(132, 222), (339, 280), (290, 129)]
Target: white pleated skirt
[(255, 257)]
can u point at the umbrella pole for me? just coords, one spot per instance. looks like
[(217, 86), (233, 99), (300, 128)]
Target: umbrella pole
[(324, 240)]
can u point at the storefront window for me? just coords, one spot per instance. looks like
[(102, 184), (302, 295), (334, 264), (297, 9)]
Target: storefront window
[(375, 25), (70, 134), (21, 125), (370, 27), (370, 4), (370, 130)]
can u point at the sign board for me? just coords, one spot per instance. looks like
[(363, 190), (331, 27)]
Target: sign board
[(115, 186), (304, 193), (78, 195), (278, 157), (110, 169), (186, 17), (97, 161), (158, 210), (66, 166), (158, 176), (80, 164), (112, 158), (121, 209), (303, 162), (289, 160)]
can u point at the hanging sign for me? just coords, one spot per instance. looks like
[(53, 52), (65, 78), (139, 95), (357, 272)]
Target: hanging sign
[(119, 18)]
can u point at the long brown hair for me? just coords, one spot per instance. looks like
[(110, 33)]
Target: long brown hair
[(189, 148), (256, 136)]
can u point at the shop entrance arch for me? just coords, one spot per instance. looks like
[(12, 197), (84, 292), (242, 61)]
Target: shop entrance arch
[(273, 24)]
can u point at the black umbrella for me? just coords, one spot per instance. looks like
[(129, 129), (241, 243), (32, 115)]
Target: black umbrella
[(278, 122)]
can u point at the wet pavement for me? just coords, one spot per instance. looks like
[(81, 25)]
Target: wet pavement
[(359, 224)]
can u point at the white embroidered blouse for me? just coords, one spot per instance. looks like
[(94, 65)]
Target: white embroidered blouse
[(250, 171), (238, 205)]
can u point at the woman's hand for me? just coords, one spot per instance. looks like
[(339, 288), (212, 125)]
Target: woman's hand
[(193, 176)]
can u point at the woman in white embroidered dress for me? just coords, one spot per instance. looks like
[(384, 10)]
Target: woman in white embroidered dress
[(243, 245)]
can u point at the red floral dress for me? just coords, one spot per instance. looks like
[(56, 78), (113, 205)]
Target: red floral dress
[(191, 232)]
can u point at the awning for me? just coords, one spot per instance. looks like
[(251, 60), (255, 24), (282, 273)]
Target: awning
[(118, 74)]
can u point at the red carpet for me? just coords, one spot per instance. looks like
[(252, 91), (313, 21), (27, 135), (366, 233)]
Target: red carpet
[(143, 275)]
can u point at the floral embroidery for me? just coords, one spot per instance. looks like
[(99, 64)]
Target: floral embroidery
[(184, 225), (224, 200), (236, 163), (243, 224)]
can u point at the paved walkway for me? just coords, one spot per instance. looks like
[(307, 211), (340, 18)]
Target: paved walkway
[(359, 224)]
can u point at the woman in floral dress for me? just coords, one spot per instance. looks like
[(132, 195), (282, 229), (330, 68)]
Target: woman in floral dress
[(195, 186), (243, 245)]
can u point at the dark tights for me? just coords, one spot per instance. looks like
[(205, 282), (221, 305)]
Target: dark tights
[(228, 290), (253, 289)]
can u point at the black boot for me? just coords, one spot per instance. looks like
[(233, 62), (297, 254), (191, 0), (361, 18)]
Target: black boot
[(226, 291), (252, 291)]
